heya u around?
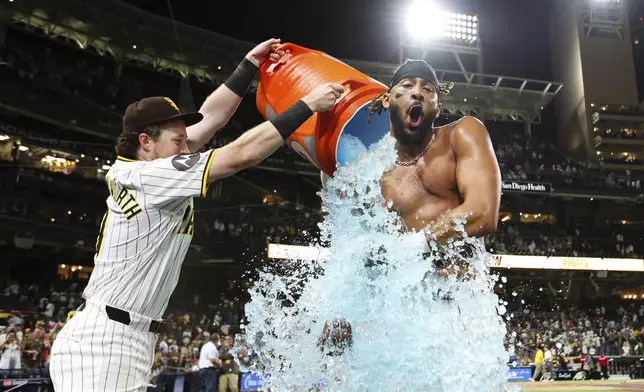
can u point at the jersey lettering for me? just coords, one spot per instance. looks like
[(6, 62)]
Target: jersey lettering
[(128, 204), (188, 222), (148, 248)]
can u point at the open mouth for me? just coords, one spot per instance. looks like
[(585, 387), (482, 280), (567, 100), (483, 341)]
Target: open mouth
[(414, 115)]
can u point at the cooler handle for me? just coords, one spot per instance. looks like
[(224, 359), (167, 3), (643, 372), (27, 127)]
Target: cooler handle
[(349, 85), (269, 67)]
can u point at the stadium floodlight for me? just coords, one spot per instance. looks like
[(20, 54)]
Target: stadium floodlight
[(426, 21)]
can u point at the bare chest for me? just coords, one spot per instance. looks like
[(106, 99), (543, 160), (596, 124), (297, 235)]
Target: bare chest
[(429, 187)]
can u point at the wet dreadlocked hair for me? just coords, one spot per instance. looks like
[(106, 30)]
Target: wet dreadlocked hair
[(376, 105)]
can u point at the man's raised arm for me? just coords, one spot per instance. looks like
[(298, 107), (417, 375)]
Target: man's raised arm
[(260, 142), (479, 183), (220, 106)]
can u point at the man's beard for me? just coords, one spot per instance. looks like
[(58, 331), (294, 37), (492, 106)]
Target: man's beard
[(410, 138)]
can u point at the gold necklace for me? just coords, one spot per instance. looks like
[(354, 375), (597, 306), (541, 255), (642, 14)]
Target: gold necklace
[(409, 163)]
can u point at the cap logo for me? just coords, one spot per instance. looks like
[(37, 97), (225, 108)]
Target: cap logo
[(171, 102)]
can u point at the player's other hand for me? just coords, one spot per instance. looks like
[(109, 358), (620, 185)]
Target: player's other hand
[(323, 97), (266, 50)]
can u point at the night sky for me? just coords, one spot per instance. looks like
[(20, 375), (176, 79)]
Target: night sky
[(514, 33)]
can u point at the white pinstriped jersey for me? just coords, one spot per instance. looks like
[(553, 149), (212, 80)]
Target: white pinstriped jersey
[(146, 231)]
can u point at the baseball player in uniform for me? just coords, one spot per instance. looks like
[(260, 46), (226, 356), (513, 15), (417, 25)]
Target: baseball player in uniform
[(144, 236)]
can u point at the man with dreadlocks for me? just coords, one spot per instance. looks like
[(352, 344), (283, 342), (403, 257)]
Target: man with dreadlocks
[(440, 172)]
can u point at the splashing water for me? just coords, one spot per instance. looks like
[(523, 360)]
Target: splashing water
[(411, 330)]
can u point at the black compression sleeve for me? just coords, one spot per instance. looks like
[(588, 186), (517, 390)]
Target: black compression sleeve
[(292, 118), (243, 76)]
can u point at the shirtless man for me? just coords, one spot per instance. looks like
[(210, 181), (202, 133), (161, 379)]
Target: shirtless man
[(440, 172)]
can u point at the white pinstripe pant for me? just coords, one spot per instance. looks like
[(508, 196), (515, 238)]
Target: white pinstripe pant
[(93, 353)]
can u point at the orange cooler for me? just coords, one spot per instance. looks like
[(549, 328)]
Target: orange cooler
[(334, 137)]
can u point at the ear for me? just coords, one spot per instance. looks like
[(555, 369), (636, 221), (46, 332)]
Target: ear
[(385, 100), (145, 142), (440, 109)]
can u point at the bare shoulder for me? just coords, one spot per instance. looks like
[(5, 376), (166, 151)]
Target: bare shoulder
[(469, 127), (468, 131)]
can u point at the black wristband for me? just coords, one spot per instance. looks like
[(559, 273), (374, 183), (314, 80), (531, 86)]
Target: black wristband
[(292, 118), (243, 76)]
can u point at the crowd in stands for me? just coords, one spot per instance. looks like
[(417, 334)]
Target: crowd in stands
[(621, 133), (523, 159), (574, 332), (611, 329), (541, 239), (26, 336)]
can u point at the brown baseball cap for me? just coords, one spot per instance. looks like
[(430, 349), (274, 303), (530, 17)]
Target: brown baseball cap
[(155, 110)]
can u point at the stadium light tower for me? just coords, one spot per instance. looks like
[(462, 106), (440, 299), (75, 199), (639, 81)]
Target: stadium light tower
[(430, 28), (603, 18), (426, 22)]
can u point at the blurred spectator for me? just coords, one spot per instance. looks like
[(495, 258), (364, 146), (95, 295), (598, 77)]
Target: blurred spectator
[(229, 372), (10, 349), (209, 364), (538, 361)]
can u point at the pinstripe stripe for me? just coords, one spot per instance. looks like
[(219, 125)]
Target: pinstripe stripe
[(61, 376), (84, 330), (94, 321), (138, 235), (112, 220), (102, 347), (119, 243), (129, 361), (72, 367), (147, 237), (172, 207), (109, 359), (118, 373)]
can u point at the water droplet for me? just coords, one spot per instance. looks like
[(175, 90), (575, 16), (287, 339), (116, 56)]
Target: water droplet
[(504, 279), (514, 293)]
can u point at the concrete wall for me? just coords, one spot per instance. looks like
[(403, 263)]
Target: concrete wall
[(592, 70), (570, 103), (609, 68)]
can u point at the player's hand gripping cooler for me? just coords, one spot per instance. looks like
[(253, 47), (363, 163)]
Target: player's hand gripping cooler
[(329, 138)]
